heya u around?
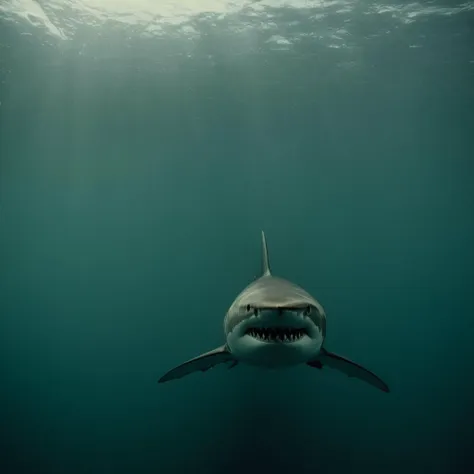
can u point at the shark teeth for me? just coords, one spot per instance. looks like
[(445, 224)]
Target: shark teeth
[(276, 334)]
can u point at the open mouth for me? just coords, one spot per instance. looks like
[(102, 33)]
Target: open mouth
[(279, 334)]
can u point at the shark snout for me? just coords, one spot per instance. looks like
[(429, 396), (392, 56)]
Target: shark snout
[(277, 316)]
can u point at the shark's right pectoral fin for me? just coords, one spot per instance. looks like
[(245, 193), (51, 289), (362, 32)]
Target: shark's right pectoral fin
[(349, 368), (200, 363)]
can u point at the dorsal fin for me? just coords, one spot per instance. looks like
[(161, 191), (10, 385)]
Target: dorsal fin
[(265, 262)]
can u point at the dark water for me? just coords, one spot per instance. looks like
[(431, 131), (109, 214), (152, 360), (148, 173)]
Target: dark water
[(136, 172)]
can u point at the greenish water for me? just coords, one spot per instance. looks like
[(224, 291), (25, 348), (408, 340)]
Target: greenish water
[(136, 172)]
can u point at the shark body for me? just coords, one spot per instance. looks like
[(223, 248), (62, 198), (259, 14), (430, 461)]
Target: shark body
[(274, 323)]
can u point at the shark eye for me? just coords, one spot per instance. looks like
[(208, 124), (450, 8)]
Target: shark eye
[(250, 308), (307, 311)]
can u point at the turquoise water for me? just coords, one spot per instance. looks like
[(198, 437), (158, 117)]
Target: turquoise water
[(142, 150)]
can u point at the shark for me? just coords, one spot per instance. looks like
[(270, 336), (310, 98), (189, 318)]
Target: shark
[(274, 323)]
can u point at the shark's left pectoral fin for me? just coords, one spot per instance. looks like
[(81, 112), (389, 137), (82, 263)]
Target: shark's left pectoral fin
[(348, 367), (200, 363)]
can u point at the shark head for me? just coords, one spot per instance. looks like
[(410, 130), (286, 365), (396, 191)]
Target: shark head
[(274, 322)]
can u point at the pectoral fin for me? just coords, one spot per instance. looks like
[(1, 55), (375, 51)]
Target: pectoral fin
[(203, 362), (348, 367)]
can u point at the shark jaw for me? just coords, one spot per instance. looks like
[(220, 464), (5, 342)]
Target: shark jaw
[(276, 337)]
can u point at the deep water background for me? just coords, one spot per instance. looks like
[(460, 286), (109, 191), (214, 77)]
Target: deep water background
[(134, 182)]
